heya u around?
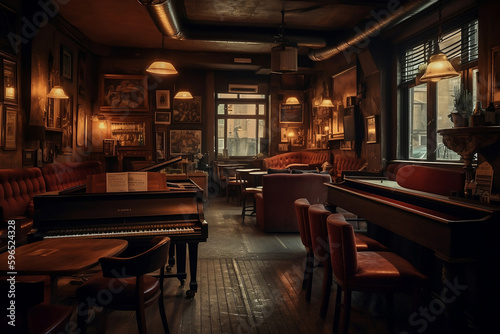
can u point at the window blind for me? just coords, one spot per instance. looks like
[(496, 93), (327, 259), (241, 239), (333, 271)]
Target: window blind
[(460, 45)]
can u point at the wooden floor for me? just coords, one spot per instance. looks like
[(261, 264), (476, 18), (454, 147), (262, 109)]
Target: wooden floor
[(248, 282)]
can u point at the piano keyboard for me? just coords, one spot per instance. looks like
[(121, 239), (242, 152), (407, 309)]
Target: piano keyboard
[(115, 232)]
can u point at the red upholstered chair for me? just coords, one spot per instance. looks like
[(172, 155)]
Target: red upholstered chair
[(301, 207), (317, 216), (33, 312), (364, 271), (132, 288)]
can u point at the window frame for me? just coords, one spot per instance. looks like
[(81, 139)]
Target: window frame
[(466, 69), (241, 100)]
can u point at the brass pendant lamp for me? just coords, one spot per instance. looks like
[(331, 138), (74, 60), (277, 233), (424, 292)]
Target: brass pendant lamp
[(439, 66), (161, 66)]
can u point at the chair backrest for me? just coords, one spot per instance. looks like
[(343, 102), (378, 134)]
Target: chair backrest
[(342, 247), (301, 207), (148, 261), (319, 232)]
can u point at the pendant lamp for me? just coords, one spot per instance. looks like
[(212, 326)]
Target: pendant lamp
[(183, 95), (161, 66), (439, 66)]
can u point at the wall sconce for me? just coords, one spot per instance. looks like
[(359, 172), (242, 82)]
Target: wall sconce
[(57, 92), (292, 100), (327, 103), (101, 119)]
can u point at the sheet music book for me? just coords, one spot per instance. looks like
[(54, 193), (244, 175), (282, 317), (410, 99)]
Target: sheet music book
[(126, 181)]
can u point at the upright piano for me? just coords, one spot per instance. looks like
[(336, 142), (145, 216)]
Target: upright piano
[(135, 216), (462, 235)]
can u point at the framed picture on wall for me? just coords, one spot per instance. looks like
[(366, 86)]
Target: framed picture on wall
[(187, 111), (9, 81), (163, 99), (162, 117), (66, 63), (371, 129), (160, 145), (10, 129), (124, 93), (185, 142), (291, 113)]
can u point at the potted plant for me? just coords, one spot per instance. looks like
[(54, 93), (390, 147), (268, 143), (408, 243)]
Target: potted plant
[(464, 105)]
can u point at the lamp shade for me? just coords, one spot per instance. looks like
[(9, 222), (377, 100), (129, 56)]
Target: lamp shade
[(292, 100), (439, 68), (161, 67), (183, 95), (57, 92), (326, 103)]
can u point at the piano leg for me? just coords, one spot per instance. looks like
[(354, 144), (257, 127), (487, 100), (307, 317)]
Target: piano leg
[(193, 267), (177, 253)]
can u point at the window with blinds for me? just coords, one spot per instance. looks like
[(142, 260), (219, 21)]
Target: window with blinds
[(459, 45)]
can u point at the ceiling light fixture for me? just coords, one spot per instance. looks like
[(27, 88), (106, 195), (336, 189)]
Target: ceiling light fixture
[(439, 66), (183, 94), (284, 55), (161, 66)]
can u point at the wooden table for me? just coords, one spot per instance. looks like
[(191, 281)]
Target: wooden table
[(59, 257), (258, 176)]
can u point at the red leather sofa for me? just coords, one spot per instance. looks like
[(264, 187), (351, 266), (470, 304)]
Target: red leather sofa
[(275, 208), (299, 159), (19, 186)]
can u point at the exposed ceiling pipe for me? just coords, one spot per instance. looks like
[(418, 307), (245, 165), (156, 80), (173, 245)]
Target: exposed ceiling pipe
[(404, 12), (167, 21)]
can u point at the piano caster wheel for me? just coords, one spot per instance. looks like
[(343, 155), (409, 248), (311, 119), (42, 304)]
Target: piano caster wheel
[(169, 269), (190, 294)]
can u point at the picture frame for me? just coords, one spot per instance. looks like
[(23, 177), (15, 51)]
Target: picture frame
[(284, 135), (162, 99), (67, 126), (185, 142), (123, 93), (187, 111), (495, 76), (347, 145), (291, 113), (160, 145), (10, 129), (371, 129), (9, 81), (66, 63), (162, 117), (80, 125)]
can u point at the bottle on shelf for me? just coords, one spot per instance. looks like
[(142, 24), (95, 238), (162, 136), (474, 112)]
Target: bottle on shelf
[(477, 117)]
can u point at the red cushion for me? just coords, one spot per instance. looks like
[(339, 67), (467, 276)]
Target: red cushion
[(434, 180)]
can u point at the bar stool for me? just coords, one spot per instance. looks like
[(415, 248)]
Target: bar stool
[(247, 190), (317, 216), (364, 271)]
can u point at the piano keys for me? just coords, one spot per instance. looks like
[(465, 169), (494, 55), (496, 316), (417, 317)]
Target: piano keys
[(462, 235), (135, 216)]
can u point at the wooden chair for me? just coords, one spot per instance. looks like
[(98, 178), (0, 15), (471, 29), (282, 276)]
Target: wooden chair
[(33, 312), (364, 271), (317, 216), (125, 285)]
